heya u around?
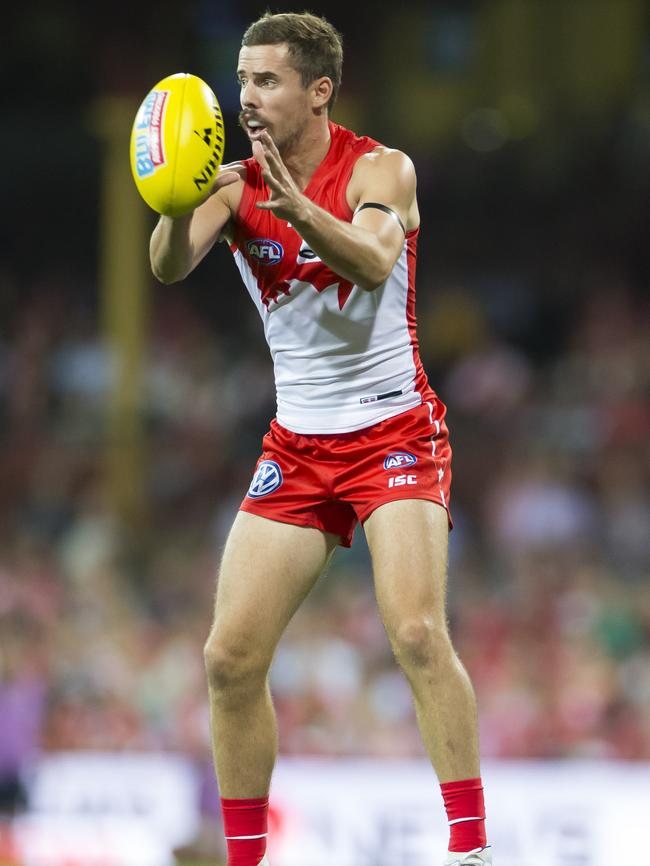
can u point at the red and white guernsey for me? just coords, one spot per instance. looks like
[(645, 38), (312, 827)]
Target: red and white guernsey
[(344, 358)]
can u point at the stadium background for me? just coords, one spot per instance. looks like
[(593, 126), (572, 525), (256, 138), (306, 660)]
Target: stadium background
[(131, 413)]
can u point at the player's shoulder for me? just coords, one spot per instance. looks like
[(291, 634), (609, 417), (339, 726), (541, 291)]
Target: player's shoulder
[(383, 166), (385, 158)]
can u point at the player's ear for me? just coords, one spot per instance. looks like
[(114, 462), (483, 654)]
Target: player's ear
[(321, 90)]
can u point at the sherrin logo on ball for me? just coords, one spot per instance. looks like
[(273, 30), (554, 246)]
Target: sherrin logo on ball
[(177, 144)]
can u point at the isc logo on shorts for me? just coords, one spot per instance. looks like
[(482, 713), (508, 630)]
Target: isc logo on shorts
[(267, 478), (401, 480), (397, 459)]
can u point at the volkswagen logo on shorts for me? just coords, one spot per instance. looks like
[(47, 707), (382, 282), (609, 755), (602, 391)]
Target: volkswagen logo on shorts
[(267, 478), (397, 459)]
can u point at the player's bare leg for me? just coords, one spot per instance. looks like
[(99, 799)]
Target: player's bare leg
[(408, 542), (267, 570)]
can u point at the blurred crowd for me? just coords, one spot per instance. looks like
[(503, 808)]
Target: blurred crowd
[(532, 308), (102, 623)]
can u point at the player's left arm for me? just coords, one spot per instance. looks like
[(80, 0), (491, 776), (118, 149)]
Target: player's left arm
[(365, 250)]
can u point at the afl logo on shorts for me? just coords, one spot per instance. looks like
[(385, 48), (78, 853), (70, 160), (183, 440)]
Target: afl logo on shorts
[(267, 478), (397, 459), (265, 251)]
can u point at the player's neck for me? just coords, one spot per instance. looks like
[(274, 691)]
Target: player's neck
[(303, 156)]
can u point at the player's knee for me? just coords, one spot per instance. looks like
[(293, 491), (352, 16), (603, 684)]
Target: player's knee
[(419, 643), (231, 666)]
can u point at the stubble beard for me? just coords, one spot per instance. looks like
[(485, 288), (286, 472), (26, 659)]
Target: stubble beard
[(289, 142)]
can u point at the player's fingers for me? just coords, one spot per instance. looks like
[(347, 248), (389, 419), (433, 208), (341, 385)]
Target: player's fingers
[(272, 155), (276, 166), (229, 173), (225, 179), (273, 178), (267, 172), (271, 181), (239, 167), (269, 144), (260, 155)]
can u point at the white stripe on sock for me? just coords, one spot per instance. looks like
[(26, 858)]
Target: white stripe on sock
[(259, 836), (459, 820)]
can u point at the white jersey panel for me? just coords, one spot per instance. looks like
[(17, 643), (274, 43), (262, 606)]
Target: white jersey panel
[(338, 370)]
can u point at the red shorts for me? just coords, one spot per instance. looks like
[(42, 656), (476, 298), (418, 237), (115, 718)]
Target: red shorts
[(332, 481)]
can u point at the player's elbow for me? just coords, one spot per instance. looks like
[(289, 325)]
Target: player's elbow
[(376, 274), (169, 265), (370, 286), (167, 273), (166, 279)]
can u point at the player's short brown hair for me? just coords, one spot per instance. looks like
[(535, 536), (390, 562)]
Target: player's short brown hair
[(315, 46)]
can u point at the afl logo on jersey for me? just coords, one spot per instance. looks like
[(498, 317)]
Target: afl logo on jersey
[(265, 251), (267, 478), (397, 459)]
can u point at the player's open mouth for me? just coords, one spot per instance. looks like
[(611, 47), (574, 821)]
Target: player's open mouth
[(254, 128)]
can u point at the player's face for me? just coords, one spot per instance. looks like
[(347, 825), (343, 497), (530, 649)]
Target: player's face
[(272, 96)]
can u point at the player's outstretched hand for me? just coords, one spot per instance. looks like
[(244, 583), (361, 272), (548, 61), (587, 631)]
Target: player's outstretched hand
[(286, 199)]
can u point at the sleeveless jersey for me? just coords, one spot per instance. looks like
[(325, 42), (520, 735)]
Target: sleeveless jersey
[(344, 358)]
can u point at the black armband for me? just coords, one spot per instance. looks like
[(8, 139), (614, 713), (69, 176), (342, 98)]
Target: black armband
[(385, 209)]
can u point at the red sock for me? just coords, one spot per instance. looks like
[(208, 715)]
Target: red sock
[(466, 814), (245, 826)]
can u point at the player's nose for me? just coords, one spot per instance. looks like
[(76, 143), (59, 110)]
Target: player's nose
[(249, 96)]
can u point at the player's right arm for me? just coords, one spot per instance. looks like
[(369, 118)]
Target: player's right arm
[(178, 244)]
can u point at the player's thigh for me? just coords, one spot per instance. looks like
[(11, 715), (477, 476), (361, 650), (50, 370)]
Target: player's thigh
[(267, 570), (408, 541)]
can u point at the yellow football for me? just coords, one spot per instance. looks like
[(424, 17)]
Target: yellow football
[(177, 144)]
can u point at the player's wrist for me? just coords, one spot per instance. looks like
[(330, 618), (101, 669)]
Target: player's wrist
[(304, 215)]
